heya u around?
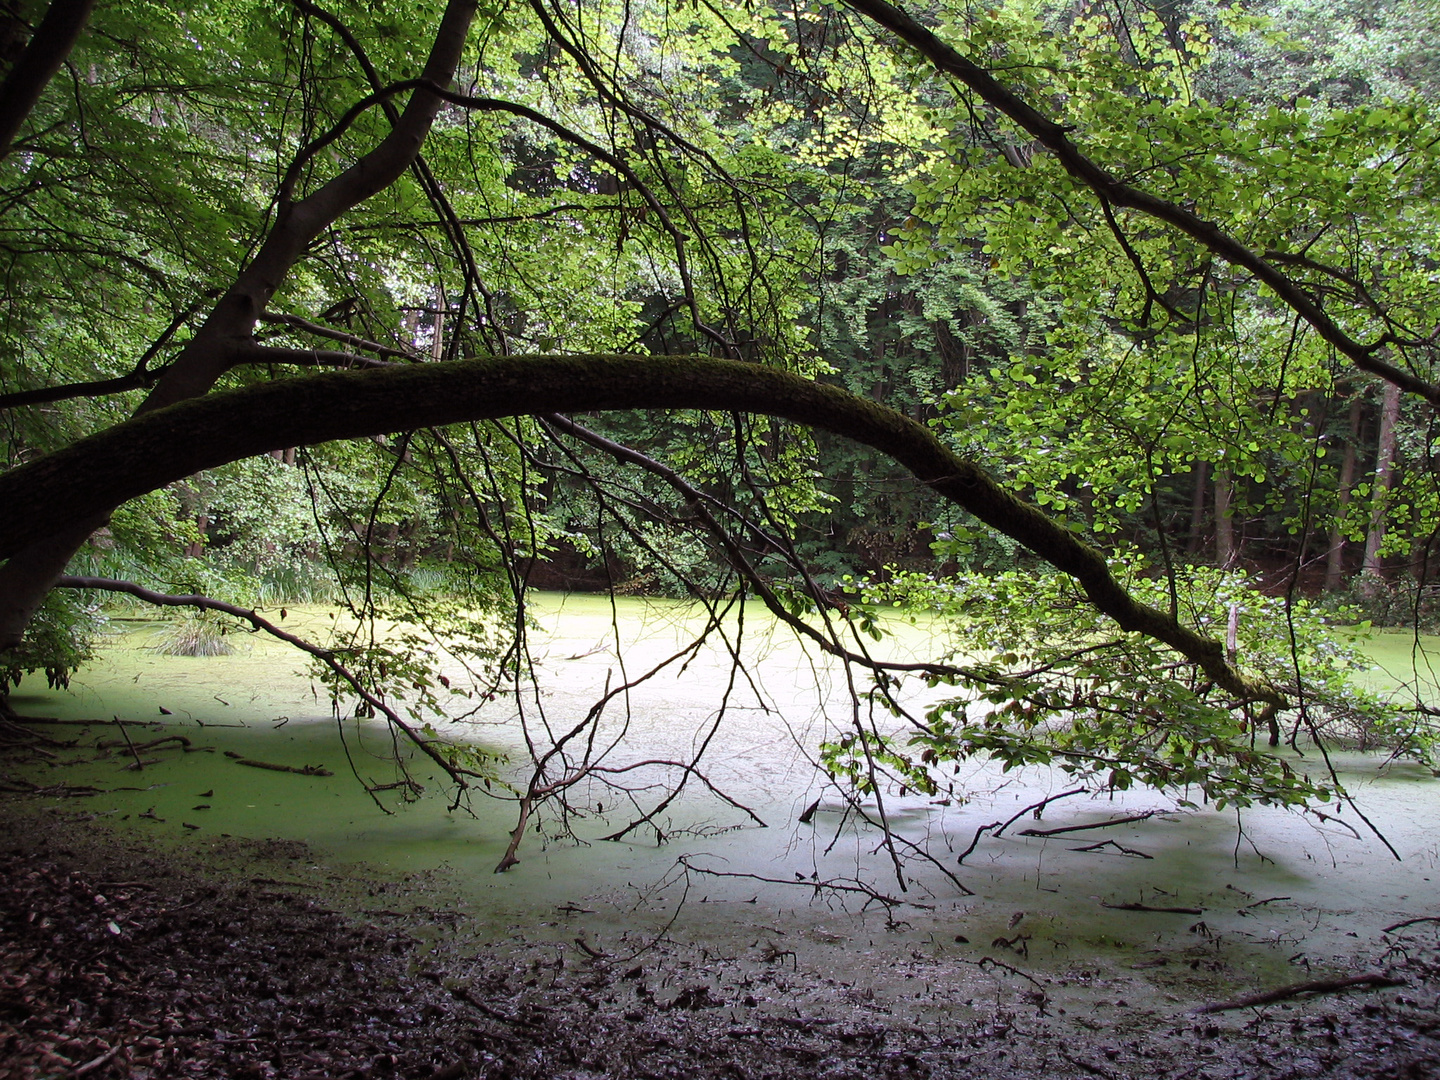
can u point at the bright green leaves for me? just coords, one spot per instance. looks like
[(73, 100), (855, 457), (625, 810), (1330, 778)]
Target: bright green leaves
[(58, 641), (862, 761), (1047, 681)]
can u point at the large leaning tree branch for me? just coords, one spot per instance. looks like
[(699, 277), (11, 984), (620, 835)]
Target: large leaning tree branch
[(447, 220), (1112, 191), (96, 474)]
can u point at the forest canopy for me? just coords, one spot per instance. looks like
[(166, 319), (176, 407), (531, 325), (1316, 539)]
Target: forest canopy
[(1097, 328)]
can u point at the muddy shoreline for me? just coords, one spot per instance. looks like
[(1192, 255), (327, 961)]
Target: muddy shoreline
[(124, 957)]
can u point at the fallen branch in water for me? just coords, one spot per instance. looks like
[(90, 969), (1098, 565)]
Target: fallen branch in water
[(84, 723), (111, 744), (16, 733), (328, 657), (301, 770), (1314, 986), (1411, 922), (809, 814), (1094, 825), (1262, 903), (1118, 847), (989, 962), (591, 951), (1147, 907), (998, 827), (128, 742), (17, 786)]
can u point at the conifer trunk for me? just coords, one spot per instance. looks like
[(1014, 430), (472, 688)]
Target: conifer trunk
[(1373, 571), (1225, 553), (1197, 506), (1335, 557)]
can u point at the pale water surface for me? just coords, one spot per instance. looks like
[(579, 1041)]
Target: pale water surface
[(1278, 890)]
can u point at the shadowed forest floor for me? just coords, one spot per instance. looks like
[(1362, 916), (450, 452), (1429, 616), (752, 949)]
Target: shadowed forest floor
[(119, 958)]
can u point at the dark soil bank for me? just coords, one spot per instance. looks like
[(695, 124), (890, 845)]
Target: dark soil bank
[(245, 959)]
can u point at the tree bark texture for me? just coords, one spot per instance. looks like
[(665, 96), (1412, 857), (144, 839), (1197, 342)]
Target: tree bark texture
[(227, 330)]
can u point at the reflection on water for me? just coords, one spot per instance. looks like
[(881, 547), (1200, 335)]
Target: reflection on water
[(1274, 888)]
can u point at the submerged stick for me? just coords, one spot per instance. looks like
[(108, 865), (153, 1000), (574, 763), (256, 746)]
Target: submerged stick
[(998, 827), (1147, 907), (1093, 825), (300, 770), (110, 744), (1132, 852), (1410, 922), (138, 763), (1314, 986)]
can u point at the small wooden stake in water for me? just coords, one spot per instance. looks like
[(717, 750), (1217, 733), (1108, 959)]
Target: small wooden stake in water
[(135, 753)]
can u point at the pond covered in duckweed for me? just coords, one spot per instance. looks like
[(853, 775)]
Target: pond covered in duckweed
[(1252, 897)]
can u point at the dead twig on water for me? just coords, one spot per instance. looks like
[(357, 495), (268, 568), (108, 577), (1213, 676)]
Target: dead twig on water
[(989, 961), (328, 657), (110, 744), (1147, 907), (1132, 852), (1017, 944), (833, 885), (16, 733), (20, 786), (1123, 850), (1410, 922), (1147, 815), (995, 828), (1372, 979), (300, 770), (809, 814), (135, 753), (590, 950)]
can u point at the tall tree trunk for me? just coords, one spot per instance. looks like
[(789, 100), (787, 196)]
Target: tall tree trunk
[(1225, 553), (1373, 572), (1197, 507), (437, 339), (1335, 558), (196, 548)]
